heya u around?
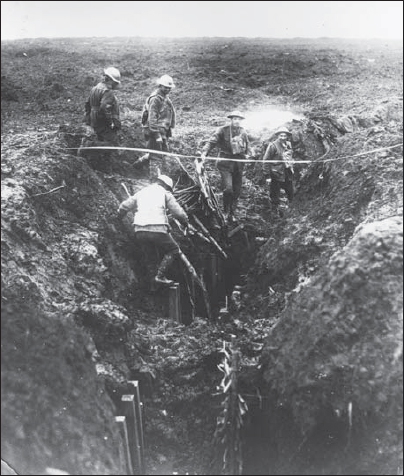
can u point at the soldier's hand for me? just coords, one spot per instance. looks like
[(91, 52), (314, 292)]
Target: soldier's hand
[(199, 165)]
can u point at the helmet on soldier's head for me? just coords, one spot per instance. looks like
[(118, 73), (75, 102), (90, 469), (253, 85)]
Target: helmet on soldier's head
[(284, 130), (166, 180), (166, 81), (113, 74), (235, 114)]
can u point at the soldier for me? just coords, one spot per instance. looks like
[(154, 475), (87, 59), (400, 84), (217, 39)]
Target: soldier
[(281, 174), (233, 143), (158, 121), (150, 206), (102, 113)]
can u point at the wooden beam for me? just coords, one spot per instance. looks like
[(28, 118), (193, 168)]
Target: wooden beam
[(139, 417), (174, 302), (123, 429), (128, 409)]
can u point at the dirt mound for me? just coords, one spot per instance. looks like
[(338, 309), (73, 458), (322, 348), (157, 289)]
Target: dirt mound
[(54, 375), (337, 349)]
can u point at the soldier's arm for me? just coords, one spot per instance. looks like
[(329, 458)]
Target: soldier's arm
[(176, 209), (130, 204), (268, 153), (154, 112), (249, 151), (173, 119), (87, 106), (107, 105), (213, 141), (266, 168)]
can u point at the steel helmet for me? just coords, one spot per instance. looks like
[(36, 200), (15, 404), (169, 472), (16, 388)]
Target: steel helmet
[(236, 114), (166, 81), (283, 129), (113, 73), (166, 180)]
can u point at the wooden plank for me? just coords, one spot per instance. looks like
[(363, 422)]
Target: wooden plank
[(193, 304), (128, 409), (123, 429), (174, 303), (139, 419), (213, 282)]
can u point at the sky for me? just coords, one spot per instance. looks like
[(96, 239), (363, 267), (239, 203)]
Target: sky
[(271, 19)]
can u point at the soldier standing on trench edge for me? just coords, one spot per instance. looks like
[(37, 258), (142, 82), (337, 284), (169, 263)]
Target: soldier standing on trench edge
[(279, 174), (233, 144), (102, 114), (158, 121), (150, 206)]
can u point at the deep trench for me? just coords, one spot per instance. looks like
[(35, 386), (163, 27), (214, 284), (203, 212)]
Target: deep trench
[(221, 277), (265, 426)]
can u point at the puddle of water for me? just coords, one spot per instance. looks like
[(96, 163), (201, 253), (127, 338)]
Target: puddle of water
[(268, 119)]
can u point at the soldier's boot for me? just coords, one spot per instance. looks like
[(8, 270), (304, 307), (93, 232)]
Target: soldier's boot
[(163, 267), (226, 205), (232, 208)]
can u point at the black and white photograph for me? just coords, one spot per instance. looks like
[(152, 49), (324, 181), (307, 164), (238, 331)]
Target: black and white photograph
[(202, 238)]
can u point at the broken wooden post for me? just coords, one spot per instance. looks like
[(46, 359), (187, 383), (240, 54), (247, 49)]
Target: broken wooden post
[(199, 281), (221, 287), (209, 236), (187, 299), (139, 419), (214, 270), (235, 230), (192, 298), (213, 279), (128, 409), (123, 430), (174, 303)]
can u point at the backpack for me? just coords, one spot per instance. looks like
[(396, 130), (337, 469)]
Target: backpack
[(145, 110)]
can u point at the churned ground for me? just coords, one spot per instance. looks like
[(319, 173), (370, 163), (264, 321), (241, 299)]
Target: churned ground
[(318, 325)]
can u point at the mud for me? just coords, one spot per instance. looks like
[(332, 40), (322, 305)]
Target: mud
[(319, 320)]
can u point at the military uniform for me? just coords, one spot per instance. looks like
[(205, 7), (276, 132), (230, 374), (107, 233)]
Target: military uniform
[(150, 222), (233, 143), (157, 129), (281, 173)]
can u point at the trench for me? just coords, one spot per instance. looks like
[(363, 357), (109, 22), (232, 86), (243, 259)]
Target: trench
[(182, 406), (224, 278), (81, 319), (175, 358)]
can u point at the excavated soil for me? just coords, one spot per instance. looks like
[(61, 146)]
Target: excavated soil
[(318, 325)]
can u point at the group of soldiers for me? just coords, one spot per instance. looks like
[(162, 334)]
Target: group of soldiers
[(231, 141)]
